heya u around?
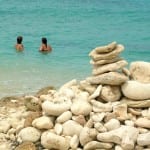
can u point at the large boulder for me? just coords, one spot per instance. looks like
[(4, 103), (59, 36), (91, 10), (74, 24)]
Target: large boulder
[(140, 71), (136, 90)]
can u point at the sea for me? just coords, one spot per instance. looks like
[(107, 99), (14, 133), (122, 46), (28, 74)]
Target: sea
[(73, 28)]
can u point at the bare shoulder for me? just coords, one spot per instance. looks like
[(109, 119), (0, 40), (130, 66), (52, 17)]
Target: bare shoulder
[(19, 47)]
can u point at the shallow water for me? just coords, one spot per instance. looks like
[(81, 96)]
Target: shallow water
[(73, 28)]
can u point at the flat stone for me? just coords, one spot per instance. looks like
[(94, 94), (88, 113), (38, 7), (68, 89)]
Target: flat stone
[(136, 104), (111, 78), (109, 67), (105, 61), (110, 55), (105, 49)]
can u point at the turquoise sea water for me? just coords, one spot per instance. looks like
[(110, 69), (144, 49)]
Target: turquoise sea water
[(73, 28)]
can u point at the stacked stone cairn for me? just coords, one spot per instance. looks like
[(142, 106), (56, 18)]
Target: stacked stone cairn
[(108, 110)]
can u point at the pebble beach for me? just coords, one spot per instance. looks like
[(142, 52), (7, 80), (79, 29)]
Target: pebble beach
[(108, 110)]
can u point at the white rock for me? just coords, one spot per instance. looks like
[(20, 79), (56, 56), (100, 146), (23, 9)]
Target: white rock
[(97, 117), (143, 122), (52, 141), (87, 135), (105, 49), (58, 128), (71, 128), (117, 135), (105, 61), (143, 139), (140, 71), (95, 145), (96, 92), (142, 90), (110, 78), (29, 134), (4, 126), (129, 123), (64, 117), (68, 92), (74, 142), (56, 108), (43, 122), (110, 93), (78, 109), (120, 110), (109, 67), (100, 127), (5, 146), (112, 124), (101, 107), (95, 56), (117, 147)]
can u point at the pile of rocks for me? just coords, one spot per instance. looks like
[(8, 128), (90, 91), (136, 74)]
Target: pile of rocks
[(109, 110)]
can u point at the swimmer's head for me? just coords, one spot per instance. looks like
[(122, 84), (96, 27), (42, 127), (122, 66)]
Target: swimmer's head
[(44, 40), (19, 39)]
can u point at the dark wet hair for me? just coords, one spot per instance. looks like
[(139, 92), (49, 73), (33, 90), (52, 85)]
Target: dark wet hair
[(44, 41), (19, 39)]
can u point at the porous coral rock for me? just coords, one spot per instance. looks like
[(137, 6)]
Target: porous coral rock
[(52, 141), (140, 71), (112, 124), (85, 85), (110, 55), (87, 135), (32, 103), (116, 136), (136, 104), (110, 78), (105, 49), (120, 111), (56, 108), (109, 67), (105, 61), (110, 93), (78, 103), (101, 107)]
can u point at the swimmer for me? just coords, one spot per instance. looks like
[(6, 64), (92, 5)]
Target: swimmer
[(19, 46), (44, 46)]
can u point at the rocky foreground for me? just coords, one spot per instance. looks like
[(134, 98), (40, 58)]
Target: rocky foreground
[(108, 110)]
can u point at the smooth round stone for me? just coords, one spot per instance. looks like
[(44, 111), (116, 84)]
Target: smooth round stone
[(136, 90)]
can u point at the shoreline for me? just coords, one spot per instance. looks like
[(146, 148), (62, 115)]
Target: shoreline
[(113, 116)]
